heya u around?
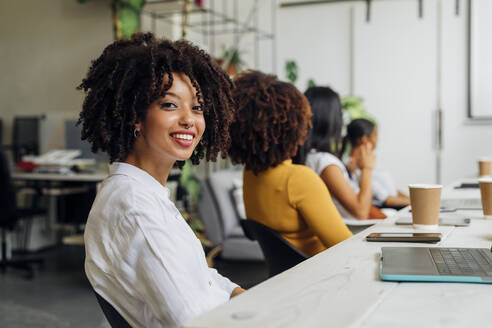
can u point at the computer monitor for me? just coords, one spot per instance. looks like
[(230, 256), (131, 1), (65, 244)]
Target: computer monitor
[(25, 140), (73, 140), (1, 132)]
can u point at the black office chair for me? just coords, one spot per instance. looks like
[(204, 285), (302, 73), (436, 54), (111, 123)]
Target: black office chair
[(114, 318), (279, 254), (10, 215)]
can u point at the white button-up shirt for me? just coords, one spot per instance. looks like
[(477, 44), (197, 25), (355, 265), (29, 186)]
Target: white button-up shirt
[(143, 258)]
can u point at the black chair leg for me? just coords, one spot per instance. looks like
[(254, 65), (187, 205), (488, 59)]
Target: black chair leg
[(21, 264)]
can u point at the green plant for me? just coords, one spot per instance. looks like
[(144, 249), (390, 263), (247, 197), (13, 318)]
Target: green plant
[(291, 71), (232, 55), (355, 109), (311, 83), (126, 17), (189, 181)]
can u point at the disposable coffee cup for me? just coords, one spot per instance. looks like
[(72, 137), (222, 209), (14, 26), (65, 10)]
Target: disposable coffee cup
[(485, 166), (486, 195), (425, 201)]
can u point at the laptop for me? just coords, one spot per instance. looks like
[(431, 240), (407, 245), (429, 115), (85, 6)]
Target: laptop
[(434, 264), (463, 203)]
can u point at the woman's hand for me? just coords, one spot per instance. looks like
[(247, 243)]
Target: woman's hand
[(236, 291), (366, 156), (352, 164)]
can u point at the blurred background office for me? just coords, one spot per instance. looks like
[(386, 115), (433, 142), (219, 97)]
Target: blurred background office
[(420, 68)]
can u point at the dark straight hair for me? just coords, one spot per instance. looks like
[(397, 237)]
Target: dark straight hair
[(326, 133), (357, 129)]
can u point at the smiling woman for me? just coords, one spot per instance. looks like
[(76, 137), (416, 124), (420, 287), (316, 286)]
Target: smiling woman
[(150, 104), (171, 130)]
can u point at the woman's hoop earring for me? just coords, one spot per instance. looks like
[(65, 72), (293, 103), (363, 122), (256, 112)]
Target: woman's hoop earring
[(136, 133)]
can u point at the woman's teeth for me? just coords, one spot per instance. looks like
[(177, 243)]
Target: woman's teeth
[(183, 136)]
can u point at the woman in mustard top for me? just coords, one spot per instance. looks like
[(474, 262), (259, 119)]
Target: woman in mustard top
[(271, 123)]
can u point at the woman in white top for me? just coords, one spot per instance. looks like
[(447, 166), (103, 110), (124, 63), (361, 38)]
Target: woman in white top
[(322, 153), (150, 104), (384, 193)]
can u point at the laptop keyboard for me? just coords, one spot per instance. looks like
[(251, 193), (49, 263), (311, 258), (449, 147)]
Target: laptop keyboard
[(462, 261)]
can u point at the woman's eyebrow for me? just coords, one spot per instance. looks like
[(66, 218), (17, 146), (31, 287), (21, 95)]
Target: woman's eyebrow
[(172, 94)]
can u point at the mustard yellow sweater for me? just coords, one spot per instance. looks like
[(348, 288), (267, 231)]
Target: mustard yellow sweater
[(293, 200)]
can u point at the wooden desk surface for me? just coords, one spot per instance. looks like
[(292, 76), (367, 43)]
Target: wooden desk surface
[(341, 288)]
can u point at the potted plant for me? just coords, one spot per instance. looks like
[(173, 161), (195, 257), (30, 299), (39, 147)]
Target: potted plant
[(231, 61)]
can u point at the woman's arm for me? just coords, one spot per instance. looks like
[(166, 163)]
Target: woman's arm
[(232, 288), (237, 291), (356, 204), (397, 201), (311, 198)]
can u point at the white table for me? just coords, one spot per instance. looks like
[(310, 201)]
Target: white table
[(52, 177), (341, 288), (54, 185)]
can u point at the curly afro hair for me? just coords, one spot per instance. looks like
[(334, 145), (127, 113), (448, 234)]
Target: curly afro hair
[(131, 74), (272, 118)]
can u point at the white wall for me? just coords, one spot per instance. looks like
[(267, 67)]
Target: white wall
[(45, 52), (394, 68), (47, 47), (317, 37)]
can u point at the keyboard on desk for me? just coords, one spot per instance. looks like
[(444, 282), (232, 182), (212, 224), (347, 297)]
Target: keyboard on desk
[(462, 261)]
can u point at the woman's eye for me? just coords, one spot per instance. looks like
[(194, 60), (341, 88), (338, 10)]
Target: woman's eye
[(168, 105), (198, 108)]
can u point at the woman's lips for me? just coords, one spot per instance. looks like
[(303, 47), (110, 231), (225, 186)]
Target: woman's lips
[(183, 139)]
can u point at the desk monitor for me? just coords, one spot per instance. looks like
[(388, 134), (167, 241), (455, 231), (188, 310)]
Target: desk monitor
[(26, 136), (73, 141)]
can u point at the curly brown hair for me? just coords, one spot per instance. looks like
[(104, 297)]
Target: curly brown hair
[(271, 121), (131, 74)]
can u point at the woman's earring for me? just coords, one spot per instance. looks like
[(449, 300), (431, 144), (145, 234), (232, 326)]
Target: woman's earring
[(136, 133)]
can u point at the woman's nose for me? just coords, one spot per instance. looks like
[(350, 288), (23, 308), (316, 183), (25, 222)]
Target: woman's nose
[(187, 120)]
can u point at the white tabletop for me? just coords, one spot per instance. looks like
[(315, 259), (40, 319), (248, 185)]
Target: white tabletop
[(79, 177), (96, 176), (340, 287)]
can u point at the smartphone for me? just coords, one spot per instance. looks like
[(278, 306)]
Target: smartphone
[(457, 222), (409, 237)]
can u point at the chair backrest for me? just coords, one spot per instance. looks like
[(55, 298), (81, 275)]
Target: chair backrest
[(279, 254), (216, 205), (114, 318), (8, 206)]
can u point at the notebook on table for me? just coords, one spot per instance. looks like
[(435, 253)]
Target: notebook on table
[(468, 185), (434, 264), (463, 203)]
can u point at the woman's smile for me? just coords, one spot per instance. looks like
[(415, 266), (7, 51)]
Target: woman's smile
[(183, 138)]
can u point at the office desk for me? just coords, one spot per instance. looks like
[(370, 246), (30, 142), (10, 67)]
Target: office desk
[(54, 177), (97, 176), (341, 288), (52, 185)]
